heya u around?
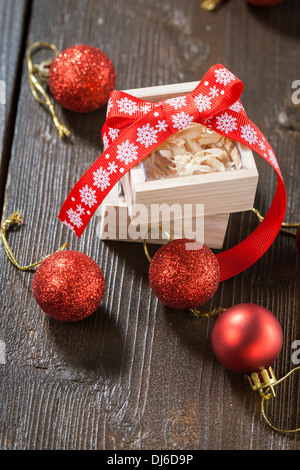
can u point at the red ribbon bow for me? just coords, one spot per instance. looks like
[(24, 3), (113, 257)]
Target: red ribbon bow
[(135, 127)]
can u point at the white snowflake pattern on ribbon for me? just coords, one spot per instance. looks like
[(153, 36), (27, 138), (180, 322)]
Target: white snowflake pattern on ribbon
[(272, 158), (112, 167), (262, 145), (202, 102), (101, 178), (109, 106), (214, 92), (127, 152), (182, 120), (226, 123), (127, 106), (147, 135), (74, 217), (88, 196), (178, 102), (223, 76), (249, 134), (237, 107), (145, 108), (80, 209), (105, 141), (162, 126), (113, 133)]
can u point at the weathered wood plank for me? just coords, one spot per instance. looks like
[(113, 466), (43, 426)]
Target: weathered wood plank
[(136, 375), (13, 22)]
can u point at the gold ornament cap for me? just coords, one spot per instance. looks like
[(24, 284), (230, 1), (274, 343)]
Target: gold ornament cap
[(262, 379)]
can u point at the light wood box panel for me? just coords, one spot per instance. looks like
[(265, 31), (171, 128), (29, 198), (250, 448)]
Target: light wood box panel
[(116, 224)]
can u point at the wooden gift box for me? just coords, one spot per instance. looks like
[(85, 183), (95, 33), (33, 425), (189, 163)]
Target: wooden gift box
[(116, 224), (221, 192)]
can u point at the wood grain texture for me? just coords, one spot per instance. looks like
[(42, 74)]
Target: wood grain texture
[(13, 18), (136, 375)]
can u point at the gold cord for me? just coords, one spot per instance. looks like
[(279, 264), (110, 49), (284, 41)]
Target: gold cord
[(210, 5), (195, 312), (266, 396), (37, 87), (216, 311), (16, 218), (284, 227), (145, 241)]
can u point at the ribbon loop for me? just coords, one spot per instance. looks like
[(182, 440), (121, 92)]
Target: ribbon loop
[(217, 91), (124, 109)]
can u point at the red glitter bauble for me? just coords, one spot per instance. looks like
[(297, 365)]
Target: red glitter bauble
[(81, 78), (246, 338), (298, 238), (184, 274), (68, 286)]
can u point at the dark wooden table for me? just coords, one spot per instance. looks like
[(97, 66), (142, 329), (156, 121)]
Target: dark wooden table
[(136, 375)]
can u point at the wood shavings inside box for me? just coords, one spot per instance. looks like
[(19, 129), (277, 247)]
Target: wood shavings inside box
[(191, 151)]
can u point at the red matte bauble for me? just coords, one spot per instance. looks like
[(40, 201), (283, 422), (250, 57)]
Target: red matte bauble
[(68, 286), (264, 3), (81, 78), (246, 338), (184, 274), (298, 238)]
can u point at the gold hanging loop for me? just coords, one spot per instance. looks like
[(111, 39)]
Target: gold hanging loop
[(36, 88), (16, 218), (265, 396), (145, 241)]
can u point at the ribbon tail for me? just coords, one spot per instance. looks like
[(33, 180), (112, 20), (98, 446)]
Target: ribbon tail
[(245, 254)]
